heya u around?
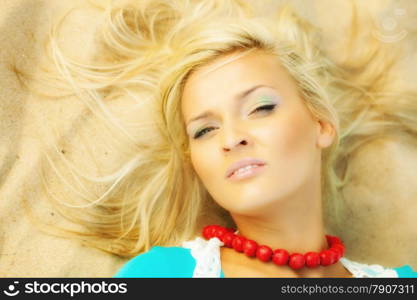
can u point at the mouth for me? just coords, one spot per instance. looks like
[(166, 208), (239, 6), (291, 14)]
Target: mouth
[(246, 171)]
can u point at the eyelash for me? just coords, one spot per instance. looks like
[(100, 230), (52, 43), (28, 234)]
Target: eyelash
[(268, 107)]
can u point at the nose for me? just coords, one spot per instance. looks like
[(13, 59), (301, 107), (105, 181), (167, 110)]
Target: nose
[(235, 133), (233, 139), (234, 145)]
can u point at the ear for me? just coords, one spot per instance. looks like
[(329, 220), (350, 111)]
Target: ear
[(326, 133)]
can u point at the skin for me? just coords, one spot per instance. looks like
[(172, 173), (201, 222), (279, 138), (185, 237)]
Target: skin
[(280, 207)]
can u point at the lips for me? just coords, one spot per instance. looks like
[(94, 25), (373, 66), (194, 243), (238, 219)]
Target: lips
[(243, 163)]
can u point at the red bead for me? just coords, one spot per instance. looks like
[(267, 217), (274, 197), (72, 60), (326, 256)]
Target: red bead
[(327, 257), (264, 253), (250, 247), (214, 230), (339, 247), (208, 231), (219, 232), (238, 242), (333, 256), (336, 240), (296, 261), (337, 253), (280, 257), (312, 259), (232, 230), (331, 240), (228, 239)]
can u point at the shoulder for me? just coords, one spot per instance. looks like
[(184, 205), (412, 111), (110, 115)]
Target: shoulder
[(364, 270), (165, 262)]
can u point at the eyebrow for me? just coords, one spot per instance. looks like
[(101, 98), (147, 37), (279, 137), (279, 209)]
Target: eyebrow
[(238, 96)]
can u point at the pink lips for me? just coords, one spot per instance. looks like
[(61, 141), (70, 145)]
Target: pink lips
[(243, 163)]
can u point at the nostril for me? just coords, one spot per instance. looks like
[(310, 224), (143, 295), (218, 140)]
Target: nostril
[(242, 142)]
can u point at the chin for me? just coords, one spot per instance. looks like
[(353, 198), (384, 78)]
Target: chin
[(252, 206)]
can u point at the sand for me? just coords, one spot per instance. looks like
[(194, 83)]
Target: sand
[(389, 239)]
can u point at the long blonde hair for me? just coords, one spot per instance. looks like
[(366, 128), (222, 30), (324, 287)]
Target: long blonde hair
[(147, 50)]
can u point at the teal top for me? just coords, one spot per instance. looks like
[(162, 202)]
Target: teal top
[(177, 262)]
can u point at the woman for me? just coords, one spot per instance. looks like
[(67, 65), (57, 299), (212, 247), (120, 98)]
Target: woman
[(257, 149), (248, 118)]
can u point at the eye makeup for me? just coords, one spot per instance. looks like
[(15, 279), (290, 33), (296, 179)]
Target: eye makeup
[(264, 104), (266, 99)]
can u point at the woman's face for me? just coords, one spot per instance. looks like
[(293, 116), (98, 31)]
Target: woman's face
[(249, 110)]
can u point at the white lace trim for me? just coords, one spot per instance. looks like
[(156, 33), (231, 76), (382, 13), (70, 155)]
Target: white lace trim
[(208, 264), (360, 270), (207, 256)]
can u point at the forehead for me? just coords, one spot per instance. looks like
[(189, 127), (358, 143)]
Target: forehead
[(226, 77), (235, 67)]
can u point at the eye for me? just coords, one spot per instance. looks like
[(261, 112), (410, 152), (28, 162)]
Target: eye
[(202, 132), (268, 107)]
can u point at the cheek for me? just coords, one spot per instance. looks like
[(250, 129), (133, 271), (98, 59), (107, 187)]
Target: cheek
[(201, 159), (294, 142)]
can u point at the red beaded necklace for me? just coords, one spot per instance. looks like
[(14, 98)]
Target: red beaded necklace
[(279, 256)]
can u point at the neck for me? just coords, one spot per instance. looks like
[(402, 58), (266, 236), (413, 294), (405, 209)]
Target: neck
[(294, 223)]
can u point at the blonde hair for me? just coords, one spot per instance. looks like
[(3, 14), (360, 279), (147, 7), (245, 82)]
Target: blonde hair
[(147, 51)]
